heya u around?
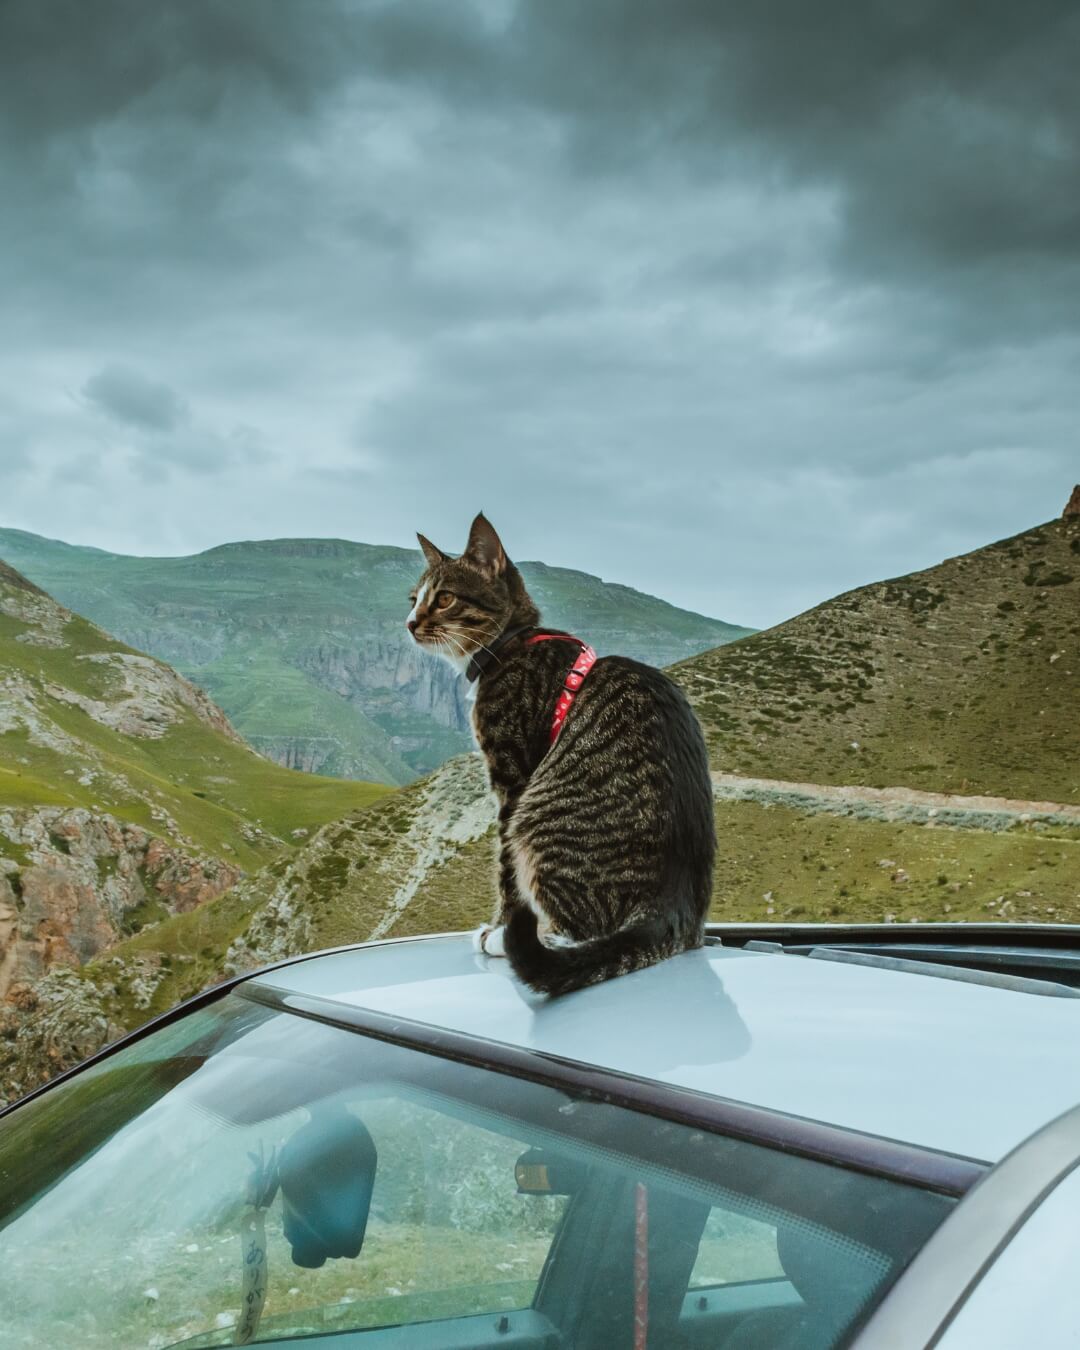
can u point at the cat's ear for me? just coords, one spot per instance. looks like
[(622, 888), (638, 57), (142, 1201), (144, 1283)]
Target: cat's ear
[(433, 555), (484, 547)]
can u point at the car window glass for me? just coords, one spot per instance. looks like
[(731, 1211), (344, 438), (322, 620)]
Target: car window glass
[(250, 1168), (448, 1234), (734, 1249)]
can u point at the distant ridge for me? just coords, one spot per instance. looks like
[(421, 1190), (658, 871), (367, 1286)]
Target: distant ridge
[(19, 541), (302, 642)]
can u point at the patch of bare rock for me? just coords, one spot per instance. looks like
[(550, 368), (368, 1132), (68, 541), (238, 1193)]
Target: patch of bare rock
[(77, 879)]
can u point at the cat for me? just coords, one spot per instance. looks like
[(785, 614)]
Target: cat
[(605, 818)]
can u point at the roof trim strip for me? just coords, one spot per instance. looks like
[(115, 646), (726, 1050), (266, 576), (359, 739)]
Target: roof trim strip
[(940, 970), (963, 934), (945, 1173)]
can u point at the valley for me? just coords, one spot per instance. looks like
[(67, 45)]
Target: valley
[(302, 643), (907, 752)]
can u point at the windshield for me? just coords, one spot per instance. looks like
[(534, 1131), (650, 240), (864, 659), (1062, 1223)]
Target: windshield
[(246, 1175)]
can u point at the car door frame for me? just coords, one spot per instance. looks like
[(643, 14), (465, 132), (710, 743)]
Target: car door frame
[(928, 1296)]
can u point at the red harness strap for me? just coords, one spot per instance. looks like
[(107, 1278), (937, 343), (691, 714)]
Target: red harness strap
[(573, 682)]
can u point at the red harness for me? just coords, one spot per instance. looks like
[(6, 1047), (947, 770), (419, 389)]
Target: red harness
[(573, 682)]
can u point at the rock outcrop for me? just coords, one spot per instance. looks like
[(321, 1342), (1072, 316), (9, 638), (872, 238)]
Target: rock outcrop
[(152, 698), (126, 801), (141, 696), (1072, 506), (80, 880), (48, 1027), (396, 673)]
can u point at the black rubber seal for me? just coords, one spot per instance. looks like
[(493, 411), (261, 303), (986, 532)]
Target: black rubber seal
[(943, 1173)]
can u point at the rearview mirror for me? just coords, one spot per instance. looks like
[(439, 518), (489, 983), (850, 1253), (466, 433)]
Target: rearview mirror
[(327, 1173), (538, 1172)]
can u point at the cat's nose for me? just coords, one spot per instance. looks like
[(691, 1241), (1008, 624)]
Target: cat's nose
[(410, 624)]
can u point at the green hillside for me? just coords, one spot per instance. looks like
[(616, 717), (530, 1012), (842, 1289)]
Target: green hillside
[(972, 638), (423, 861), (959, 678), (85, 721), (302, 641), (964, 677)]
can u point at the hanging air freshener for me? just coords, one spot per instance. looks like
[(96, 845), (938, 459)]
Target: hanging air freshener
[(262, 1185)]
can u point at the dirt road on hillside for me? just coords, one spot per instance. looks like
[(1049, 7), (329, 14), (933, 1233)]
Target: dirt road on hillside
[(906, 805)]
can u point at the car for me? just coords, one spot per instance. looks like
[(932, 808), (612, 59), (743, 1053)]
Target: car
[(791, 1137)]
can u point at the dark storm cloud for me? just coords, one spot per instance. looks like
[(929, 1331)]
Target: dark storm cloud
[(98, 60), (950, 134), (160, 435), (129, 397), (944, 124), (664, 287)]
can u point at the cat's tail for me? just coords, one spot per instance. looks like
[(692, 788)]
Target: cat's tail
[(561, 969)]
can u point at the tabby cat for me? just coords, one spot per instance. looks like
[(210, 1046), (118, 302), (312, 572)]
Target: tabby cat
[(606, 834)]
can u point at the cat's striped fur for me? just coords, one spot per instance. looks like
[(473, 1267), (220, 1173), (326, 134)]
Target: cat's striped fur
[(606, 838)]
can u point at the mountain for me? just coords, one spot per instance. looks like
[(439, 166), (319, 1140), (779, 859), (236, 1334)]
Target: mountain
[(791, 846), (125, 793), (962, 678), (302, 641), (810, 828)]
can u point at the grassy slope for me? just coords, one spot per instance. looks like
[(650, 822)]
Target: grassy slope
[(270, 629), (422, 859), (773, 863), (961, 678), (213, 787), (273, 703), (344, 885)]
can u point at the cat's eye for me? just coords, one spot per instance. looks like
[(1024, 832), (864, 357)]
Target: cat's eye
[(444, 599)]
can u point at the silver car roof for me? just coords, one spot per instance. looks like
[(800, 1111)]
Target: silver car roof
[(943, 1064)]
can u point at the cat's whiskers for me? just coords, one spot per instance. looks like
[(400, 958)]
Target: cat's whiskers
[(455, 638), (457, 642), (486, 648), (458, 658)]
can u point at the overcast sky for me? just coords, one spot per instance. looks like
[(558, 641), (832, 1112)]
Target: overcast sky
[(739, 303)]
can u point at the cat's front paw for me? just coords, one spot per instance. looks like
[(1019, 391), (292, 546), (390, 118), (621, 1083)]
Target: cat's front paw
[(488, 941)]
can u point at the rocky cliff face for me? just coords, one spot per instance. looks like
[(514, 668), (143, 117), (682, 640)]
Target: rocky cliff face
[(127, 802), (74, 881), (75, 878), (48, 1027), (106, 758), (307, 754), (391, 676), (420, 860)]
